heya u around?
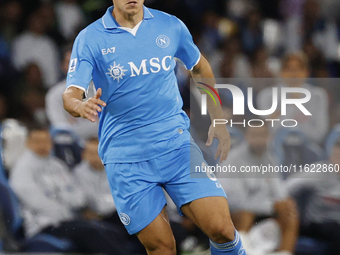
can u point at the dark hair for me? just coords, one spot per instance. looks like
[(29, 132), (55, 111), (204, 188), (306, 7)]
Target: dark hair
[(92, 139), (35, 126)]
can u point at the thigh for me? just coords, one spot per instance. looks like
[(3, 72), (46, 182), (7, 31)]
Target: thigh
[(210, 214), (186, 183), (157, 233), (137, 194)]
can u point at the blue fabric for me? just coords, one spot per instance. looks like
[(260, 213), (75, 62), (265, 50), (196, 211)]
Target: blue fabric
[(3, 177), (137, 187), (331, 139), (4, 48), (136, 74), (311, 246), (47, 243), (232, 248), (8, 201), (2, 170), (10, 207)]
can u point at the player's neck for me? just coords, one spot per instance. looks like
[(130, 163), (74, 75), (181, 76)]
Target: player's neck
[(127, 19)]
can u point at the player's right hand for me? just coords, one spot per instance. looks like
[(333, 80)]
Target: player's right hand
[(90, 108)]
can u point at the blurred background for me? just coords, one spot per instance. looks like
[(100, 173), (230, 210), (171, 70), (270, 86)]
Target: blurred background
[(53, 181)]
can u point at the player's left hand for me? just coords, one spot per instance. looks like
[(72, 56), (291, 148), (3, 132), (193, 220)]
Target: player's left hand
[(221, 133)]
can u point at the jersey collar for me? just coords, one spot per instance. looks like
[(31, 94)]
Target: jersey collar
[(110, 23)]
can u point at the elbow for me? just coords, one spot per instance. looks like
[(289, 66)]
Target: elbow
[(65, 102), (197, 69), (65, 99), (202, 69)]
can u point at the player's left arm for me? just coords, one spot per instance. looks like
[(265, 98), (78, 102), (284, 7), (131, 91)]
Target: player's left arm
[(203, 71)]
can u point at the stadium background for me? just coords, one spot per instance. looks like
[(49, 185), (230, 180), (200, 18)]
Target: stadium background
[(241, 39)]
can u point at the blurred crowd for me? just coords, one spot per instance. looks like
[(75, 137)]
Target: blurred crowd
[(241, 39), (253, 43)]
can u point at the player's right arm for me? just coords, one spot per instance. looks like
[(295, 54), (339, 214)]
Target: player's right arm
[(79, 75), (77, 107)]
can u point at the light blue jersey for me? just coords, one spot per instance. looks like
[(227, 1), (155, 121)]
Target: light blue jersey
[(144, 139), (143, 118)]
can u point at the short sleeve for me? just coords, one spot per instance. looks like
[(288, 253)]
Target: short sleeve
[(81, 64), (187, 51)]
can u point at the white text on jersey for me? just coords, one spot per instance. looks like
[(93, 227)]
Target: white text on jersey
[(108, 50), (155, 63)]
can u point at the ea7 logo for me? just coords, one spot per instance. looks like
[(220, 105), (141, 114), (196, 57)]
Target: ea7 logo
[(108, 50), (238, 100)]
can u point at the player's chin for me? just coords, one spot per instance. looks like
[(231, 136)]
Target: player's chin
[(133, 9)]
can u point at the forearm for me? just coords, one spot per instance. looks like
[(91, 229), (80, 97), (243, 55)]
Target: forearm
[(202, 73), (72, 98)]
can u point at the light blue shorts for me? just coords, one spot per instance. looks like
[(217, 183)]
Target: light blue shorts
[(137, 187)]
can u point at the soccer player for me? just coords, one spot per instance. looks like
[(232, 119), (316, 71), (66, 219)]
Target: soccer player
[(145, 144)]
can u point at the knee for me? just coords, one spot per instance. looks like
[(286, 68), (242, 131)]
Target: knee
[(221, 233), (158, 246)]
